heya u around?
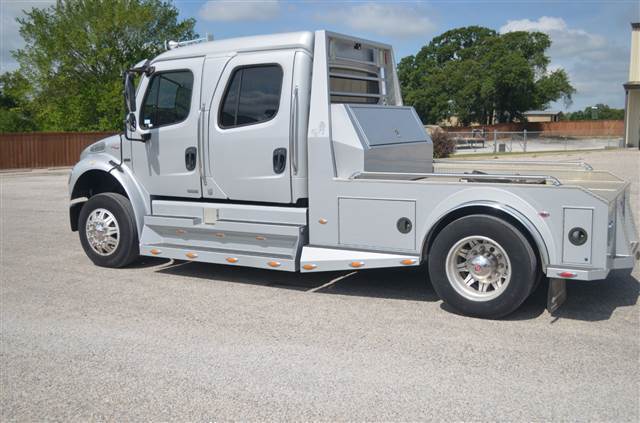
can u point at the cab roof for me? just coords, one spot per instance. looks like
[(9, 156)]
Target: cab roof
[(303, 40)]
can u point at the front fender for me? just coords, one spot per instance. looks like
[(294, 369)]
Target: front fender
[(138, 196)]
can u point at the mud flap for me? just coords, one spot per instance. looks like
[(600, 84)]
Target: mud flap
[(557, 294)]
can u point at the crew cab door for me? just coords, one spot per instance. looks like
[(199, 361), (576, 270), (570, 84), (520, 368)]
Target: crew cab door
[(168, 110), (249, 128)]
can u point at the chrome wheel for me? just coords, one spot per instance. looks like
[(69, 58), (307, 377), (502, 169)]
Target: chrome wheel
[(103, 232), (478, 268)]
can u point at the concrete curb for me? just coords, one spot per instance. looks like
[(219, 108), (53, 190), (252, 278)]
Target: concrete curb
[(36, 171)]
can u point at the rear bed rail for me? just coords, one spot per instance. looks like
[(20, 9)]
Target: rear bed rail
[(462, 177), (580, 164)]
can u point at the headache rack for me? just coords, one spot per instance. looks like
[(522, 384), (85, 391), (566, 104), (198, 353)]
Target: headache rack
[(358, 72)]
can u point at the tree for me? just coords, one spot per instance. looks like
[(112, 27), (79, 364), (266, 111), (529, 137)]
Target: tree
[(598, 112), (77, 50), (15, 114), (478, 75)]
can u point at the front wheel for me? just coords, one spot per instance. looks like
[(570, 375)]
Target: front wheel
[(108, 232), (482, 266)]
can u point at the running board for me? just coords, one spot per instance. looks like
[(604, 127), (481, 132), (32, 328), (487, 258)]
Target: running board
[(216, 256), (253, 244), (316, 259), (313, 259)]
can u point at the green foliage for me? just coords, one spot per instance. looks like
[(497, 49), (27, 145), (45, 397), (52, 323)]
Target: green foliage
[(77, 50), (15, 113), (474, 73), (597, 112)]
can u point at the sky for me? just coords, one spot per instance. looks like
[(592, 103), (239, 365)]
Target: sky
[(590, 39)]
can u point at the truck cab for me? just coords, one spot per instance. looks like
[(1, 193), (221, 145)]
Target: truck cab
[(294, 152)]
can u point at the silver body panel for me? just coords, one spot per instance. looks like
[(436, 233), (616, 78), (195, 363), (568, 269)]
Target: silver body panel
[(355, 175), (367, 223)]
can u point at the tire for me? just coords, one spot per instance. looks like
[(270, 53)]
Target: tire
[(540, 277), (482, 266), (108, 231)]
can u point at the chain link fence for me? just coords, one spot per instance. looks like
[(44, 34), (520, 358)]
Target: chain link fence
[(499, 142)]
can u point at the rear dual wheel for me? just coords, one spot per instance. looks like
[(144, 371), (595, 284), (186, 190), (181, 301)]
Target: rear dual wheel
[(482, 266)]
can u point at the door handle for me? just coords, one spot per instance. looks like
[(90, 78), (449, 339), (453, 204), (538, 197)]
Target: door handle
[(190, 158), (279, 159)]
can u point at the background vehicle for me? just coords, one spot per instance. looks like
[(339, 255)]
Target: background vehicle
[(294, 152)]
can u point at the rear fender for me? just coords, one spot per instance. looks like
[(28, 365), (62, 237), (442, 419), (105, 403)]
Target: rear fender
[(493, 201)]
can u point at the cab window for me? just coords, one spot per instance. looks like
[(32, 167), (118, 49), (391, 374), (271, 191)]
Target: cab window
[(168, 98), (252, 96)]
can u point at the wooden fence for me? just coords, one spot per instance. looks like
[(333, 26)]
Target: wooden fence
[(586, 128), (44, 149), (54, 149)]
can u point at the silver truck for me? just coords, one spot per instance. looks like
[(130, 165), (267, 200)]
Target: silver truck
[(294, 152)]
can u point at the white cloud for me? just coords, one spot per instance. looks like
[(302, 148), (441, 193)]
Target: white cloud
[(597, 67), (543, 24), (10, 38), (400, 20), (565, 40), (239, 10)]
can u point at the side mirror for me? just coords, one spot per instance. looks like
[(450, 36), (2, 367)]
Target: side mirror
[(130, 125), (129, 92)]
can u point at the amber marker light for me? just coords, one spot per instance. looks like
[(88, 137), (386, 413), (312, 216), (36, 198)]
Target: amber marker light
[(232, 259), (309, 266), (322, 221), (408, 261), (260, 238), (191, 255), (274, 264), (356, 264), (155, 252)]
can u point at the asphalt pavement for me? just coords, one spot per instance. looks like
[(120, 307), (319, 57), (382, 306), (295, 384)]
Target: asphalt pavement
[(165, 340)]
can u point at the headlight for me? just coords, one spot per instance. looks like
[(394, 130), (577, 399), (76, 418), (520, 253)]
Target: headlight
[(97, 147)]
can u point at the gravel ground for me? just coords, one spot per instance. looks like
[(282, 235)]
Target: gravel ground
[(192, 341)]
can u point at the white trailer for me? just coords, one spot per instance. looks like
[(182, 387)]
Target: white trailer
[(294, 152)]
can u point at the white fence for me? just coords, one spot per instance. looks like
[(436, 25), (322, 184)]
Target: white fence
[(498, 142)]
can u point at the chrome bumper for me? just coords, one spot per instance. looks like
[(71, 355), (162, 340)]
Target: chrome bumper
[(590, 274), (574, 273)]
